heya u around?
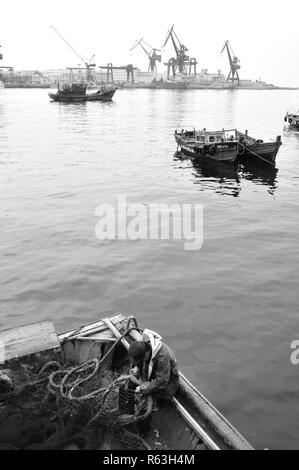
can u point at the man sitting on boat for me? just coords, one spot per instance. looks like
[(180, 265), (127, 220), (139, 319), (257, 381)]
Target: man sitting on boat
[(156, 366)]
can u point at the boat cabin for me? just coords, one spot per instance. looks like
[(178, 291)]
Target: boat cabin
[(205, 137), (78, 88)]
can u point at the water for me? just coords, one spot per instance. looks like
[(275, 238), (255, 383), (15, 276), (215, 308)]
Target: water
[(228, 310)]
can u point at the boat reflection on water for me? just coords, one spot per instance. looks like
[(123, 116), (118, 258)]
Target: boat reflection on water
[(226, 178), (259, 173)]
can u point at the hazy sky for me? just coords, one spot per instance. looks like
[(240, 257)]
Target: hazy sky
[(263, 33)]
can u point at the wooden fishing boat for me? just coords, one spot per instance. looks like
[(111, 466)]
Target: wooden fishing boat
[(189, 422), (221, 146), (257, 148), (77, 93), (226, 145)]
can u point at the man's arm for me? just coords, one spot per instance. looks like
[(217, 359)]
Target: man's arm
[(162, 378)]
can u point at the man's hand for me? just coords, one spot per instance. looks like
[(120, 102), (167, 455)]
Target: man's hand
[(135, 371), (142, 388)]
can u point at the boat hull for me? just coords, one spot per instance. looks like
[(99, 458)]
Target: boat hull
[(67, 98), (102, 96), (255, 148), (222, 152), (265, 150), (161, 85)]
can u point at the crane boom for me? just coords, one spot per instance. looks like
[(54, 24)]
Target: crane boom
[(151, 54), (170, 35), (69, 45), (139, 43)]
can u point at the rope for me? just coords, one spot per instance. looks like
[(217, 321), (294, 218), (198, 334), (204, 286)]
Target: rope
[(66, 390), (248, 150), (64, 382), (124, 419)]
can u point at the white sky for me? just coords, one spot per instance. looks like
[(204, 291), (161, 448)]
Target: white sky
[(263, 33)]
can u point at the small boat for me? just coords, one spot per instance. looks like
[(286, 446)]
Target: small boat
[(222, 146), (292, 117), (226, 145), (189, 422), (257, 148), (77, 93)]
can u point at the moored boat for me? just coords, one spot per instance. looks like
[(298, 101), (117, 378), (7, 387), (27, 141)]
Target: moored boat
[(257, 148), (226, 145), (189, 422), (202, 144), (77, 93)]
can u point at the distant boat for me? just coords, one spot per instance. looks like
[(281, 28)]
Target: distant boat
[(292, 117), (225, 145), (76, 92), (168, 84)]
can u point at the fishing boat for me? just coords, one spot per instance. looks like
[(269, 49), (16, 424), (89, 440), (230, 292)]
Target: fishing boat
[(257, 148), (189, 422), (226, 145), (292, 117), (222, 146), (77, 93)]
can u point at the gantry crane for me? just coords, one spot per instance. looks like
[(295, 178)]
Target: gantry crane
[(233, 62), (182, 60), (88, 64), (151, 53), (130, 70)]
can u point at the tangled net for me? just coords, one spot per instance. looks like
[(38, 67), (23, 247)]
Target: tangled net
[(78, 404)]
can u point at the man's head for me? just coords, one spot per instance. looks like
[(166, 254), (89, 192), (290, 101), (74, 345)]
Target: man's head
[(139, 350)]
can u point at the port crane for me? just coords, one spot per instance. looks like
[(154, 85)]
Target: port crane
[(151, 53), (88, 64), (182, 60), (233, 62), (130, 70)]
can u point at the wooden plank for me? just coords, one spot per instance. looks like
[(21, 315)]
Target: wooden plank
[(96, 339), (28, 339), (115, 331), (93, 328)]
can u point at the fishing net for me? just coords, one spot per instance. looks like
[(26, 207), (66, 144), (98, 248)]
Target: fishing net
[(87, 406)]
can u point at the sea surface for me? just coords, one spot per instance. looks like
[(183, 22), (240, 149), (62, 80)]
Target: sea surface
[(230, 309)]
